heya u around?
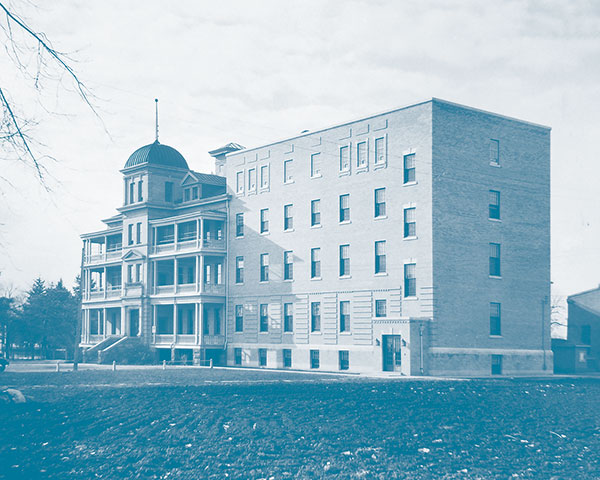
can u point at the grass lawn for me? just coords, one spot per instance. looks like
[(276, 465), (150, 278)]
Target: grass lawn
[(200, 423)]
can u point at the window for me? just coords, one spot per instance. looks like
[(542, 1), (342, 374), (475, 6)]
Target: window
[(168, 191), (494, 205), (264, 317), (252, 180), (138, 272), (410, 222), (237, 356), (315, 165), (288, 172), (586, 335), (264, 220), (495, 326), (264, 267), (288, 219), (288, 317), (288, 265), (494, 259), (138, 233), (262, 357), (345, 158), (410, 280), (239, 269), (315, 213), (239, 188), (186, 195), (495, 151), (380, 258), (496, 364), (130, 234), (131, 190), (409, 168), (380, 202), (264, 176), (344, 260), (239, 224), (361, 154), (344, 316), (344, 359), (194, 193), (239, 318), (344, 208), (140, 191), (380, 308), (129, 273), (287, 358), (315, 263), (315, 317), (380, 150), (314, 359), (205, 325), (217, 321)]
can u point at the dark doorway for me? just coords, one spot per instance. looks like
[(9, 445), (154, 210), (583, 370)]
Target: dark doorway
[(134, 322), (392, 353)]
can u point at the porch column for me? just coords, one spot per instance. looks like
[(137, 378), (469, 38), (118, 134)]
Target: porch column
[(124, 322), (105, 248), (196, 317), (153, 323), (200, 322), (175, 235), (174, 321), (201, 274), (197, 276), (198, 233), (154, 277), (104, 322), (103, 281), (175, 275)]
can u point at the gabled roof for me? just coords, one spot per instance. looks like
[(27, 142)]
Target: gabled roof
[(588, 300), (230, 147), (133, 255), (209, 179)]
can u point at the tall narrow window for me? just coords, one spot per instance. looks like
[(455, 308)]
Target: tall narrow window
[(361, 154), (344, 260), (344, 208), (186, 195), (130, 234), (315, 263), (140, 191), (380, 210), (138, 272), (381, 308), (237, 356), (344, 316), (264, 267), (264, 176), (287, 358), (496, 364), (264, 220), (288, 172), (129, 273), (315, 165), (314, 359), (288, 265), (239, 318), (288, 219), (495, 321), (252, 180), (380, 150), (410, 280), (345, 158), (494, 210), (239, 269), (138, 233), (239, 188), (315, 213), (262, 357), (409, 168), (264, 317), (288, 317), (131, 190), (410, 222), (168, 191), (315, 316), (494, 259), (239, 224), (494, 152), (380, 257), (194, 193), (344, 359)]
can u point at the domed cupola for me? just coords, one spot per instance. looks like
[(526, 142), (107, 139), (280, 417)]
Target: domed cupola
[(156, 154)]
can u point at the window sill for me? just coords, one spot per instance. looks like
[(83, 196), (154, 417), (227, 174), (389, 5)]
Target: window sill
[(362, 169), (414, 237), (288, 332), (316, 279), (316, 333), (318, 175), (251, 192), (343, 277), (289, 230), (239, 236), (264, 189), (495, 220), (345, 222), (289, 182), (239, 194), (288, 280), (377, 166), (263, 333), (496, 165), (381, 274), (344, 173), (381, 217), (263, 281), (406, 184), (495, 336), (265, 233), (411, 298), (346, 334), (316, 226), (497, 277), (238, 283)]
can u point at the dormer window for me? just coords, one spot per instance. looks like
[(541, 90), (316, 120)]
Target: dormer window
[(187, 194), (194, 193)]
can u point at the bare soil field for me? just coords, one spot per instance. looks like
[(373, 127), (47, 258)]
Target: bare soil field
[(216, 424)]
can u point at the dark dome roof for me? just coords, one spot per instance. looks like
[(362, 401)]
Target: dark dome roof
[(157, 154)]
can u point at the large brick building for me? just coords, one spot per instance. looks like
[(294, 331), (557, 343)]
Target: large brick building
[(416, 240)]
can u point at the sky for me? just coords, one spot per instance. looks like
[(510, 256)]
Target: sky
[(255, 72)]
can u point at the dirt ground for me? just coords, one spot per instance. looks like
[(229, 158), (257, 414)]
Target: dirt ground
[(215, 424)]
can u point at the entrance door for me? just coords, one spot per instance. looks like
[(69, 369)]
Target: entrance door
[(134, 322), (392, 358)]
